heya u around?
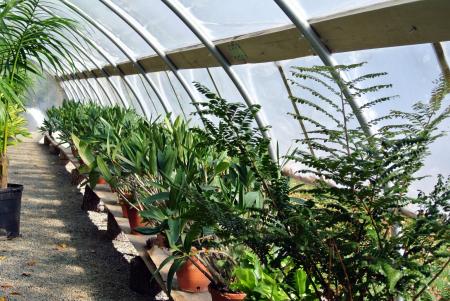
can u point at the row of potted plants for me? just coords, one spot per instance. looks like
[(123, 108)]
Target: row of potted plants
[(223, 207)]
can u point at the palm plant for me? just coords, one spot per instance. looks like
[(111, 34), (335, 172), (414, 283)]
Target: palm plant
[(28, 40)]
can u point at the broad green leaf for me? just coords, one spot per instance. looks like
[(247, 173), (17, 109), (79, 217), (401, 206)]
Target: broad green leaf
[(104, 170), (300, 278)]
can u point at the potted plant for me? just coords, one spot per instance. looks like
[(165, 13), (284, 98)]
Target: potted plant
[(28, 40), (348, 235)]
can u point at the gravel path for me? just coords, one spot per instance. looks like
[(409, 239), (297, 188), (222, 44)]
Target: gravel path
[(62, 255)]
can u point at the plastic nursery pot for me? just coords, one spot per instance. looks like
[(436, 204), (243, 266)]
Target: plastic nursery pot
[(217, 295), (10, 203), (190, 278)]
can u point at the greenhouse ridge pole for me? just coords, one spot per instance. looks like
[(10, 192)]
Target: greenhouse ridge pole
[(124, 49), (298, 18), (154, 44), (196, 29)]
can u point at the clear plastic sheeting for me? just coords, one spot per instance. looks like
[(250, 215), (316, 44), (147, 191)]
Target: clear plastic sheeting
[(88, 30), (322, 8), (160, 22), (45, 94), (100, 13), (148, 96), (412, 71), (264, 82), (109, 90), (222, 19)]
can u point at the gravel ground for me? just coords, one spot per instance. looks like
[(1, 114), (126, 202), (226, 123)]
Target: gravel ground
[(64, 253)]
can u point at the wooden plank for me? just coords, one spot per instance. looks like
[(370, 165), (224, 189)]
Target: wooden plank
[(393, 23)]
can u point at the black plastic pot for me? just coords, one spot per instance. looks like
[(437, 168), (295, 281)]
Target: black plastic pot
[(10, 203)]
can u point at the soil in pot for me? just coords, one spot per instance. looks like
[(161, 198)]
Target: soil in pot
[(10, 203), (217, 295), (191, 279)]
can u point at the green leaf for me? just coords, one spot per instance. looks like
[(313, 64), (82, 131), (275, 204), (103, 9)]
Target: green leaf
[(154, 213), (246, 279), (156, 197), (253, 199), (300, 278), (148, 231), (222, 166), (193, 233), (176, 265), (392, 275), (104, 170)]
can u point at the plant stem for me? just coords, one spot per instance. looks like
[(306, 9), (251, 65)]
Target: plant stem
[(432, 280)]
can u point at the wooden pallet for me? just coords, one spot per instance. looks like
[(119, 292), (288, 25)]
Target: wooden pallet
[(152, 257)]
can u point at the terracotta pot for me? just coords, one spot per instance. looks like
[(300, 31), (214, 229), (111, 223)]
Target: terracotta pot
[(222, 296), (190, 279), (101, 181), (134, 219), (124, 207)]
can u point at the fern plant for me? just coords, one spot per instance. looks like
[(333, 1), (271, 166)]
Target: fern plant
[(348, 234)]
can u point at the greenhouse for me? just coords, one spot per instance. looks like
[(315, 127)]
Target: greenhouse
[(212, 150)]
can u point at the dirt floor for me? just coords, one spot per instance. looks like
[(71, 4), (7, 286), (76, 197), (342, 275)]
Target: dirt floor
[(63, 253)]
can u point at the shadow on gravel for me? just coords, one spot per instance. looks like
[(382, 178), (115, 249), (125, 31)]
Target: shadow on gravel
[(62, 254)]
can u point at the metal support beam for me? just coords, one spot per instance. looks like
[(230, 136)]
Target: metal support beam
[(108, 59), (95, 77), (298, 17), (189, 21), (75, 91), (154, 44), (120, 45), (80, 80), (105, 55), (66, 90), (102, 53)]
